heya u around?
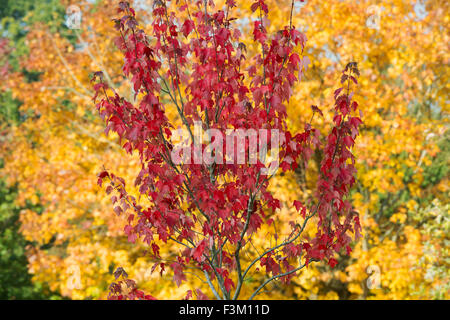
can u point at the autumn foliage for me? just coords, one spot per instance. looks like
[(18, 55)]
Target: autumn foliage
[(198, 62)]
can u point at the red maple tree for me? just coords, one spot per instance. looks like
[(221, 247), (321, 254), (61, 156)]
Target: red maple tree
[(202, 206)]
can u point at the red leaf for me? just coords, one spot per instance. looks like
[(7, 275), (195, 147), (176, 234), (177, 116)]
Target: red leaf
[(337, 92), (294, 59), (178, 275), (298, 205), (103, 174), (254, 6), (348, 141), (198, 251), (316, 109), (187, 27), (120, 272), (332, 262), (348, 250), (188, 295), (201, 295)]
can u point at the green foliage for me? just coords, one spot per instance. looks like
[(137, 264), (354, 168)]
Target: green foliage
[(440, 166), (15, 281), (434, 223), (17, 16), (9, 108)]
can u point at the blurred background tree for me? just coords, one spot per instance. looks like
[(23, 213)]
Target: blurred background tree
[(15, 18), (15, 280)]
